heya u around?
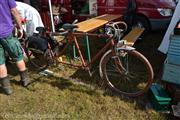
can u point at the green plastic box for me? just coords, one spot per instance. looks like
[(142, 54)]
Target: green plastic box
[(159, 98)]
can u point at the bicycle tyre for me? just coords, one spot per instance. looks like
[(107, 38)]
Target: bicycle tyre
[(126, 72), (37, 60)]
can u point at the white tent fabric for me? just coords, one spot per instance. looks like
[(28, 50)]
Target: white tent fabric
[(165, 42), (31, 15)]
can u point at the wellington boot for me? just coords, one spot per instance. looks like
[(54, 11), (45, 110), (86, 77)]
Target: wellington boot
[(6, 86), (24, 78)]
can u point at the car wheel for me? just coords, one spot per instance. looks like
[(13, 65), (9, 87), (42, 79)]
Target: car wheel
[(141, 22)]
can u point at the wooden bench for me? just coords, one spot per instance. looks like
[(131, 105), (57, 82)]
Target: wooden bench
[(133, 35)]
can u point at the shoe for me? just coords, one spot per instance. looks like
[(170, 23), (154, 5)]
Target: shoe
[(6, 86), (24, 78)]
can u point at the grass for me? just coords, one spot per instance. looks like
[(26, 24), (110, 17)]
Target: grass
[(71, 94)]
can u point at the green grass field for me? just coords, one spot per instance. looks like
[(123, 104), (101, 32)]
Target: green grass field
[(72, 95)]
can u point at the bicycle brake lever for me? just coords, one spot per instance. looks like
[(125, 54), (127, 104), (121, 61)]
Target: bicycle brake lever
[(75, 21)]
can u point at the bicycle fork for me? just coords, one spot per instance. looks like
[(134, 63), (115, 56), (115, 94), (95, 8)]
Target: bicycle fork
[(120, 49)]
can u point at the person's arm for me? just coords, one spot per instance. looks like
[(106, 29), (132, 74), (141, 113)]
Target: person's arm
[(17, 18)]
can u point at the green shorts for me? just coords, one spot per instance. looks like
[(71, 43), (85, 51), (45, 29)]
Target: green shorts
[(13, 48)]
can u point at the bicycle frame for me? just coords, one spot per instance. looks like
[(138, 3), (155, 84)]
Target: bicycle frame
[(114, 56), (71, 39)]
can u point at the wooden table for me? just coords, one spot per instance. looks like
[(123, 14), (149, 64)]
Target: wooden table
[(93, 24), (96, 22)]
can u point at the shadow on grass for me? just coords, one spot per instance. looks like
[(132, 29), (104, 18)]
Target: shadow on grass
[(62, 84), (96, 81), (1, 90), (91, 85)]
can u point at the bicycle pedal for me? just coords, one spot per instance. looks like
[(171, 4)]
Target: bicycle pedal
[(91, 73)]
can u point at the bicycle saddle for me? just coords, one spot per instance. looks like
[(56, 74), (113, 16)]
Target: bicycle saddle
[(41, 29), (68, 26)]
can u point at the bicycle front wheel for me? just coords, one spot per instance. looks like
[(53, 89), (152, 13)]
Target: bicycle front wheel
[(127, 72)]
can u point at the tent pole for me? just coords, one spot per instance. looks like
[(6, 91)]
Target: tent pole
[(52, 21)]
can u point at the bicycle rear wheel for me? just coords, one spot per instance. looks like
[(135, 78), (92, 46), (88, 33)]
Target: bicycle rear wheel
[(37, 59), (128, 72)]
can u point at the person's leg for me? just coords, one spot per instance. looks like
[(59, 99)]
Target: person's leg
[(3, 71), (21, 65), (23, 72), (4, 80), (14, 49)]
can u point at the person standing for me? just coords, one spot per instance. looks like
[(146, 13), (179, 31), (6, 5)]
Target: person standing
[(10, 44), (32, 17), (130, 14)]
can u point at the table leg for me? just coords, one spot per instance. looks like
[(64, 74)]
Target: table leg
[(88, 48), (74, 51)]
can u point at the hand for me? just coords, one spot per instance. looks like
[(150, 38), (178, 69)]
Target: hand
[(20, 33)]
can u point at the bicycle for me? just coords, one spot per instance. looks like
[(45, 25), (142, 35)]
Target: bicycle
[(125, 70)]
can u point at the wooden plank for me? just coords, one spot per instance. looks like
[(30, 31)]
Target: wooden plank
[(133, 35), (94, 23)]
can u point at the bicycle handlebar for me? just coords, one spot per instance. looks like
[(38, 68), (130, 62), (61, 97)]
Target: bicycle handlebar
[(116, 29), (75, 21)]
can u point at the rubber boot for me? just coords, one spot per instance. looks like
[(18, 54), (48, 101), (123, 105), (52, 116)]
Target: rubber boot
[(6, 86), (24, 78)]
